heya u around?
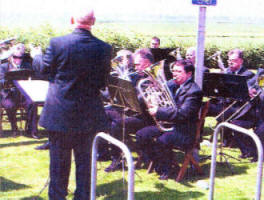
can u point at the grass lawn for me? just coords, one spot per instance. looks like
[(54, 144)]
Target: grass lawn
[(24, 174)]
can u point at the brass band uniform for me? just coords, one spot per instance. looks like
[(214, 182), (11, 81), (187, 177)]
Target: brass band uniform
[(188, 98)]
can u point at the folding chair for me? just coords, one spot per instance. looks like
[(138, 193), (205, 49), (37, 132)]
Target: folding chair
[(188, 154)]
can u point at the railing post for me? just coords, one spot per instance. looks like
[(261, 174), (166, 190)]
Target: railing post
[(128, 157), (214, 154)]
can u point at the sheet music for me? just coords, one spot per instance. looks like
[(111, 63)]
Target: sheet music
[(36, 90)]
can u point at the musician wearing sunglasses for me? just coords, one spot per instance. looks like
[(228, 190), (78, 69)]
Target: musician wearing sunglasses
[(11, 98), (188, 98), (217, 105), (251, 116)]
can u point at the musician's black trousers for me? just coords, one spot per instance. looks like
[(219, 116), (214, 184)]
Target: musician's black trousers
[(132, 125), (12, 101), (61, 147), (158, 146), (244, 142)]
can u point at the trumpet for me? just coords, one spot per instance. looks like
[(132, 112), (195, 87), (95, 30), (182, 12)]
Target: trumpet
[(260, 84), (154, 90)]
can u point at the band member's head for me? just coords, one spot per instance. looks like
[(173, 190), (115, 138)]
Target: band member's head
[(83, 18), (235, 59), (190, 55), (155, 42), (143, 58), (182, 70), (125, 58), (18, 52)]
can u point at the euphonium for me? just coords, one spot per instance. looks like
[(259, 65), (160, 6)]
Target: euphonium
[(154, 90)]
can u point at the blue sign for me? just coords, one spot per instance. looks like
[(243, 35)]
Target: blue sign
[(204, 2)]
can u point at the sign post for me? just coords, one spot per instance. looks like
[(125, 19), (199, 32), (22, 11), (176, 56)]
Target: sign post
[(199, 63)]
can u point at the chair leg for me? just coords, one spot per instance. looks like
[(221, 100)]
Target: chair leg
[(183, 167), (150, 167), (1, 119), (196, 165)]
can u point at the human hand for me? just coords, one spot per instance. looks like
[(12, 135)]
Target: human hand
[(252, 92), (152, 110)]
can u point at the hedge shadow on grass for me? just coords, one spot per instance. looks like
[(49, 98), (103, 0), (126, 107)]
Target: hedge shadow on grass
[(118, 190), (16, 144)]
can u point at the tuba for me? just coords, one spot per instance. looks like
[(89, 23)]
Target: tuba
[(154, 90)]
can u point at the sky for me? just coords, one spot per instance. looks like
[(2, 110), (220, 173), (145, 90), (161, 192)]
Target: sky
[(32, 11)]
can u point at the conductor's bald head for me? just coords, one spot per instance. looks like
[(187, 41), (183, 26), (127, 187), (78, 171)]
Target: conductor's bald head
[(83, 18)]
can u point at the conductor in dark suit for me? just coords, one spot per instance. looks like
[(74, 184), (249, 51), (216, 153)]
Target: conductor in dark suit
[(188, 98), (77, 65)]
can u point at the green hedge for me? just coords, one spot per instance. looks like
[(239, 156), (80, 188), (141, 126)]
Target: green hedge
[(253, 53)]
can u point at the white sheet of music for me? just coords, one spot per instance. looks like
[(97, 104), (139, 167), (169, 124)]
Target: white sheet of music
[(36, 89)]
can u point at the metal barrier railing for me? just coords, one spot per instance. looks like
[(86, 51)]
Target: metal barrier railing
[(214, 154), (129, 159)]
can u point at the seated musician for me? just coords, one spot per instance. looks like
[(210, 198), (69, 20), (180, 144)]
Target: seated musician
[(11, 98), (190, 56), (188, 98), (235, 66), (142, 59), (251, 116)]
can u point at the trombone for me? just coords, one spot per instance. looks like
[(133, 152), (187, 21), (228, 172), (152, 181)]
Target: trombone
[(260, 84)]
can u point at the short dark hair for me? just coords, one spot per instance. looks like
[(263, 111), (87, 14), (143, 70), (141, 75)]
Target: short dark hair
[(145, 53), (156, 38), (187, 65), (237, 51)]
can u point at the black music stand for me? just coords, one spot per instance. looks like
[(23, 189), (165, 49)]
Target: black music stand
[(20, 74), (226, 86), (123, 95)]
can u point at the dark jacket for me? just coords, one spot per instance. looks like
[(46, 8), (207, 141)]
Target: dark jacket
[(77, 65), (243, 72), (184, 117), (254, 109)]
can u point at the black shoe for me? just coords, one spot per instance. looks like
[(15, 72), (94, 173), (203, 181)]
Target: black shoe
[(245, 155), (164, 176), (43, 147), (33, 135), (254, 159), (115, 165)]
